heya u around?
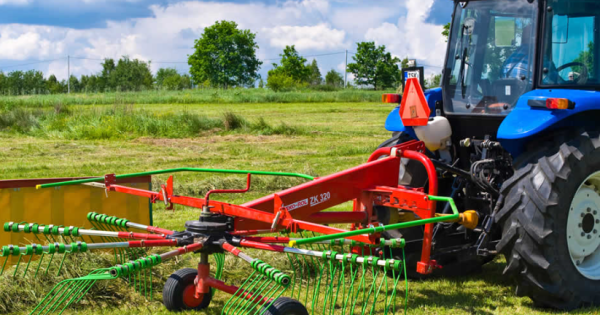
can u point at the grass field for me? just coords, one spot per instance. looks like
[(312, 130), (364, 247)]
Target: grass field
[(324, 138), (196, 96)]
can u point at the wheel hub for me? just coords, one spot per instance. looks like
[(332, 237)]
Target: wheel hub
[(583, 225)]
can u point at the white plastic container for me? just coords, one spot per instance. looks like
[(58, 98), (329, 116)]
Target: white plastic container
[(436, 134)]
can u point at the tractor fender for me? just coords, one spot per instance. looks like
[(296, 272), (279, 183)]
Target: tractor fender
[(394, 123), (526, 123)]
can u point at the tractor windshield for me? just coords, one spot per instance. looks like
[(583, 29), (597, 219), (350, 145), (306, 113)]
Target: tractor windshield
[(570, 44), (490, 57)]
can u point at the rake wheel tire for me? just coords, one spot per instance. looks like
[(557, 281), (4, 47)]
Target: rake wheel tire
[(177, 290), (534, 222), (286, 306)]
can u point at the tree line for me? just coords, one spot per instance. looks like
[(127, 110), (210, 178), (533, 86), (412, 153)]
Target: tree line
[(123, 75), (224, 56)]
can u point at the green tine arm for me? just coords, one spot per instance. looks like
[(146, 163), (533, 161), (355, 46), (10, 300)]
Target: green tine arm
[(380, 229), (176, 170)]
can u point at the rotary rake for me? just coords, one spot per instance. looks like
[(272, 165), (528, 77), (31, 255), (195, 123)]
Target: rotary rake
[(326, 269)]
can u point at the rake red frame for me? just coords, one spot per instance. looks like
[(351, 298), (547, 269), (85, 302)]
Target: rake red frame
[(302, 207)]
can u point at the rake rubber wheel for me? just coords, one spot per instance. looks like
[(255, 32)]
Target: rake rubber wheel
[(540, 200), (286, 306), (178, 292)]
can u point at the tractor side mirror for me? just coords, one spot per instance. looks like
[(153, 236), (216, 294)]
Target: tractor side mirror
[(505, 31), (560, 29)]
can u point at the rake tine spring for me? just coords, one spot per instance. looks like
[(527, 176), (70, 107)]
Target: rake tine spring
[(341, 283), (87, 284), (237, 294), (71, 293), (27, 267), (50, 296), (258, 283)]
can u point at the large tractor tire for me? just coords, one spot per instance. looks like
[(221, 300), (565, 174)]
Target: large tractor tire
[(551, 224), (413, 174)]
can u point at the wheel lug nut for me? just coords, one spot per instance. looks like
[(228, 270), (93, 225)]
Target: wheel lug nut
[(595, 212), (597, 221), (582, 215), (582, 234), (579, 224), (595, 231), (589, 237), (589, 210)]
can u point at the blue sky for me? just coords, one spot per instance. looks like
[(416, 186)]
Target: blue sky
[(164, 30)]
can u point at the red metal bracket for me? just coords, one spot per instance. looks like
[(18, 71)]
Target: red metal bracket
[(228, 191)]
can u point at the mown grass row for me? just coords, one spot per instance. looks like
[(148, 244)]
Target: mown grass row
[(200, 96), (127, 122)]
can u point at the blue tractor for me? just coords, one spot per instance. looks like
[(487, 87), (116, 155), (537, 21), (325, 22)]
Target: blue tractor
[(514, 132)]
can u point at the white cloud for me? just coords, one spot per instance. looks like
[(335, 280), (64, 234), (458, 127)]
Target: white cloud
[(21, 42), (314, 26), (412, 37), (14, 2), (319, 37)]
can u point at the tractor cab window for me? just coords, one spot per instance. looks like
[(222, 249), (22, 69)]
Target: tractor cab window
[(570, 40), (491, 56)]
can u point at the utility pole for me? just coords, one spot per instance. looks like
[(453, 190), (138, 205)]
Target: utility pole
[(68, 74), (346, 71)]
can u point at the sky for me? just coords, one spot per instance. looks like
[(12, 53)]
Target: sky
[(40, 34)]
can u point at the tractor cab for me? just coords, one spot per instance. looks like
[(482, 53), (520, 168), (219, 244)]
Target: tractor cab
[(500, 50)]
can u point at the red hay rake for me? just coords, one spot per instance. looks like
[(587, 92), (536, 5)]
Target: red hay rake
[(335, 271)]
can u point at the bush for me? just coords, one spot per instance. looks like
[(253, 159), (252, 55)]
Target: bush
[(325, 88), (281, 82)]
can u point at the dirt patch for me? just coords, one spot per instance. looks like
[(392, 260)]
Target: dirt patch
[(164, 142)]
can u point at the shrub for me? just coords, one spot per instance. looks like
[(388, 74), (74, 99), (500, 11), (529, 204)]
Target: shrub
[(281, 82)]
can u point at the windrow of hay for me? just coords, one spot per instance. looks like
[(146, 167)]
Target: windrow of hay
[(126, 122)]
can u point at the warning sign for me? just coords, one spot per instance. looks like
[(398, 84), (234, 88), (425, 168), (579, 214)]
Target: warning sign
[(414, 110)]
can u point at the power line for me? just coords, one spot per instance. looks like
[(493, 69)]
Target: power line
[(319, 55), (31, 63), (96, 59)]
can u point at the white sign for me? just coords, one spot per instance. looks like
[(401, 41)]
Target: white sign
[(411, 74)]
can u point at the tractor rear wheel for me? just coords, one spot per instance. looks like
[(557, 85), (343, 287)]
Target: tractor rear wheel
[(286, 306), (179, 290), (551, 225)]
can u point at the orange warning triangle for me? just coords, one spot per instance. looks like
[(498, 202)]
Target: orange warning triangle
[(414, 110)]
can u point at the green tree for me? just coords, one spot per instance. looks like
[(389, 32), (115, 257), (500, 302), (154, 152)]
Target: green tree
[(586, 58), (34, 82), (333, 78), (279, 81), (16, 82), (3, 83), (292, 65), (107, 80), (225, 55), (315, 77), (53, 85), (131, 75), (185, 82), (375, 67), (163, 73), (74, 83), (446, 31), (434, 81)]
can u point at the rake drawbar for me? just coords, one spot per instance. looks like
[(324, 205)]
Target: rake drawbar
[(333, 270)]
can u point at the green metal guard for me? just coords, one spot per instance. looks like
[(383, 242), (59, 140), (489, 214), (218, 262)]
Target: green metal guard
[(176, 170), (454, 216)]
